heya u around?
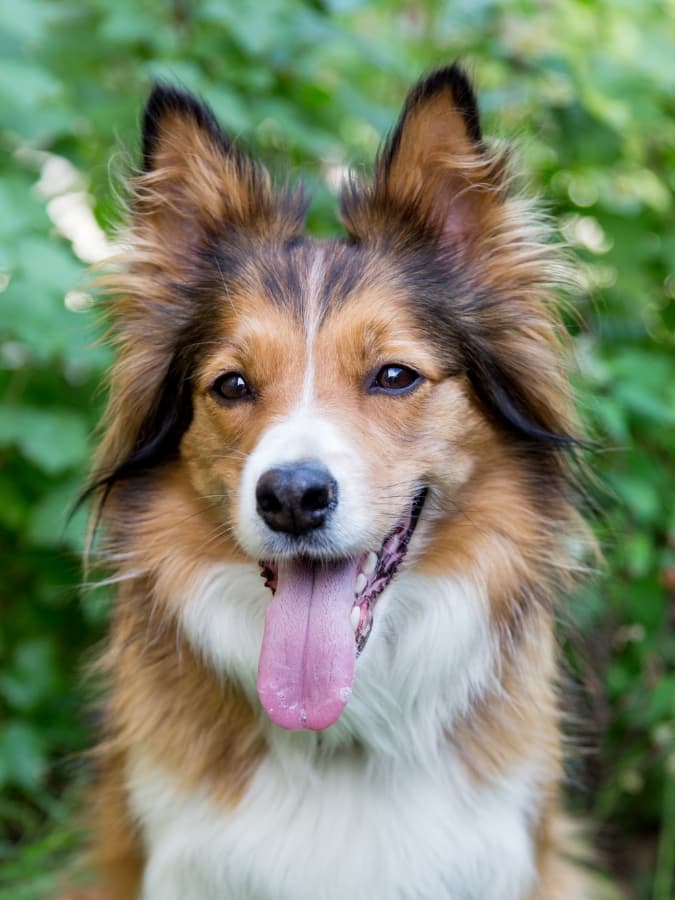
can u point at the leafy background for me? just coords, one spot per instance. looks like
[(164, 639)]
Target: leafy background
[(588, 89)]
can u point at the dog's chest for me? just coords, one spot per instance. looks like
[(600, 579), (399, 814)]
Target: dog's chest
[(339, 832)]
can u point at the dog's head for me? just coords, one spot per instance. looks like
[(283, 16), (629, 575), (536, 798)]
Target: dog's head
[(333, 402)]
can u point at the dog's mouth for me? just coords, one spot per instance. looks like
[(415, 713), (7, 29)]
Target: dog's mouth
[(318, 622)]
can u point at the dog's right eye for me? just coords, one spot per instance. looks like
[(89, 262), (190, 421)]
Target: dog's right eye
[(395, 379), (231, 387)]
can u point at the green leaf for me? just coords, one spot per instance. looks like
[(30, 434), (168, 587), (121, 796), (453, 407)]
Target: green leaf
[(53, 521), (32, 675), (54, 440), (25, 83), (22, 760)]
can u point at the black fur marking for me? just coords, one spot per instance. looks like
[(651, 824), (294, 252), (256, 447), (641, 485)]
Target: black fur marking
[(170, 415), (281, 274), (347, 270), (159, 437), (499, 394), (168, 420)]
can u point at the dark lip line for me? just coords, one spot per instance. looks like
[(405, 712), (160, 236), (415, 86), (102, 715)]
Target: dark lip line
[(417, 506), (415, 512)]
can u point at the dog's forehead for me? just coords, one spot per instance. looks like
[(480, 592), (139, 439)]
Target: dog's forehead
[(312, 278), (359, 299)]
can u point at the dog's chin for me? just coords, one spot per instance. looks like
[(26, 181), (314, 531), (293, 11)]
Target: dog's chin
[(320, 620)]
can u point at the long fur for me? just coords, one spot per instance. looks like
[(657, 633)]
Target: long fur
[(441, 778)]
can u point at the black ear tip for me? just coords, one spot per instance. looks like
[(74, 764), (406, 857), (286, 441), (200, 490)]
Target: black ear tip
[(164, 100), (452, 78)]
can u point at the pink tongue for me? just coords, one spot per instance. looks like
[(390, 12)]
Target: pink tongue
[(306, 668)]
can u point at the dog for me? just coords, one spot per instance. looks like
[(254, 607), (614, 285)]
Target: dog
[(337, 492)]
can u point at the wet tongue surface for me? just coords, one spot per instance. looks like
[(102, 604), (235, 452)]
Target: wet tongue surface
[(306, 668)]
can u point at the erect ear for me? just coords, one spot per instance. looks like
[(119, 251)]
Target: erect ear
[(435, 172), (195, 183), (195, 205), (437, 183)]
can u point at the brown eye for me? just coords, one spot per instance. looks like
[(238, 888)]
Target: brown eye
[(393, 379), (232, 386)]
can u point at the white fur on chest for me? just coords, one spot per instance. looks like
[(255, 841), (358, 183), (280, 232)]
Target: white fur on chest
[(401, 820), (337, 832), (430, 654)]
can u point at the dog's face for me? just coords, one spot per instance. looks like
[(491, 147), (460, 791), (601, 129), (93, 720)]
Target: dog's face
[(333, 402), (320, 427), (320, 424)]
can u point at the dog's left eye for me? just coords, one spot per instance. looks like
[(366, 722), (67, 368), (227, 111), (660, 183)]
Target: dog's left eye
[(394, 379), (232, 386)]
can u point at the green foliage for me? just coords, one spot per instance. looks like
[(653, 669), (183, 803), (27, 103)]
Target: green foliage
[(586, 85)]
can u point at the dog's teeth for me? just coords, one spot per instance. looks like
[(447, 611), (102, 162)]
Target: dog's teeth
[(361, 582), (369, 563), (355, 617)]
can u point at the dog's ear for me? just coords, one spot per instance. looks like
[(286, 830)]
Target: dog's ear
[(438, 184), (434, 174), (195, 207), (196, 184)]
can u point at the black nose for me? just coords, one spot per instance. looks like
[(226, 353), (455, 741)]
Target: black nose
[(296, 497)]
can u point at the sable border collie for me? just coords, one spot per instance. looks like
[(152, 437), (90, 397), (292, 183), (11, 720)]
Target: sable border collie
[(336, 489)]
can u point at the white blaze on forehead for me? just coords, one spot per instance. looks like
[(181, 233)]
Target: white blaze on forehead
[(312, 315)]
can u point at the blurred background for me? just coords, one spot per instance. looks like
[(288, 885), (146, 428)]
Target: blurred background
[(587, 89)]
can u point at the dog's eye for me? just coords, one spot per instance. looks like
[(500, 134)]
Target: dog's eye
[(232, 386), (393, 379)]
